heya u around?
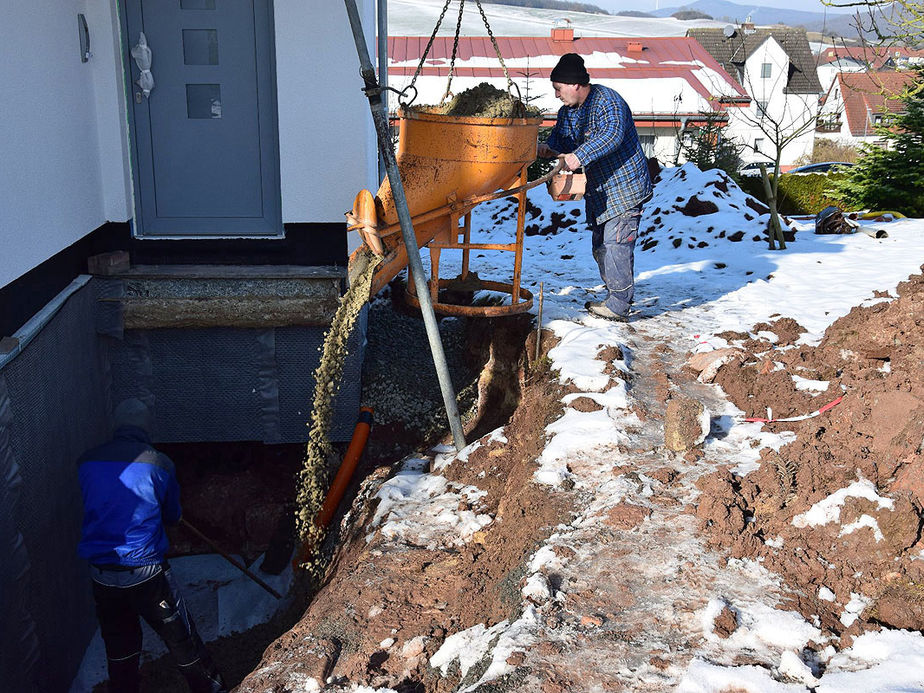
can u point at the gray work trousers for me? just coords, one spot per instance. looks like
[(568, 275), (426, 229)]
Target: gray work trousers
[(613, 244)]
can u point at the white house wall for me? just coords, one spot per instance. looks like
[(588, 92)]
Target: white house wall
[(64, 145), (790, 111), (51, 191), (827, 74), (327, 144)]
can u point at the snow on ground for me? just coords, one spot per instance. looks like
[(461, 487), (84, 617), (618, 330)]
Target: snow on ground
[(686, 292), (220, 599), (423, 509), (696, 280)]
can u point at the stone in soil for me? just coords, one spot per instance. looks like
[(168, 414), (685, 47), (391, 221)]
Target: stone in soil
[(684, 424)]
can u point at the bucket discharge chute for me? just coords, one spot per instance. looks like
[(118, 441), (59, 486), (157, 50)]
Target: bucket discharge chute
[(448, 165)]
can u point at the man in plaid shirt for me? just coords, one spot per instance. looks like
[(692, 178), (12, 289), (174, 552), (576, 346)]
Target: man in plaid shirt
[(595, 131)]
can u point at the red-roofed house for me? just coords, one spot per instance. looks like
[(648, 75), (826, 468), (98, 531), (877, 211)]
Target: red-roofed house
[(667, 81), (833, 60), (858, 102)]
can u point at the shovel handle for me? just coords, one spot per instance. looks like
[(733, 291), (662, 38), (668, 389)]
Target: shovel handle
[(230, 559)]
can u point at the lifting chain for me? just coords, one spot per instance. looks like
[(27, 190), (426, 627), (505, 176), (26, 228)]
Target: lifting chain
[(455, 50), (423, 58), (496, 49)]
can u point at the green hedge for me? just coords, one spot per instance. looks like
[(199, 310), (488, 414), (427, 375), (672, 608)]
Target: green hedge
[(799, 194)]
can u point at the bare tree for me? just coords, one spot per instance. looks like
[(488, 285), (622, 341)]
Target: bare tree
[(891, 22), (780, 128)]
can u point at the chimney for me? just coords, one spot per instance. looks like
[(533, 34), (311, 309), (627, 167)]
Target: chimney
[(747, 26), (636, 47), (562, 31)]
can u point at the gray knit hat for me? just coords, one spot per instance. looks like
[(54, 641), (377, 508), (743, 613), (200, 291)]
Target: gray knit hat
[(133, 412)]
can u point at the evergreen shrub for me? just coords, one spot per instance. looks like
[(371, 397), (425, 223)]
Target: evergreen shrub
[(800, 194)]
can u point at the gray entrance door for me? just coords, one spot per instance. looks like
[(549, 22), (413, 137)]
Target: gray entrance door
[(205, 137)]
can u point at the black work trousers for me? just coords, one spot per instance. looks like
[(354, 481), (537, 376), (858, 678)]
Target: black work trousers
[(158, 602)]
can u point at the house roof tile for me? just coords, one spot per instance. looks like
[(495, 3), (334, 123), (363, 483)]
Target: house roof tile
[(876, 57), (659, 57), (867, 94)]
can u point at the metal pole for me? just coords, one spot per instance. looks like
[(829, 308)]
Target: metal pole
[(382, 50), (380, 118)]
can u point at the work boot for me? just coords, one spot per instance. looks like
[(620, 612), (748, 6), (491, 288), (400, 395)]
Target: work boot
[(601, 310)]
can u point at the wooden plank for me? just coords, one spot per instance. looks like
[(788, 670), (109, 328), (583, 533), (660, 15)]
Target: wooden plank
[(263, 311)]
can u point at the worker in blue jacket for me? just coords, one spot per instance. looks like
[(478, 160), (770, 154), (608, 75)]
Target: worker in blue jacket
[(595, 131), (130, 492)]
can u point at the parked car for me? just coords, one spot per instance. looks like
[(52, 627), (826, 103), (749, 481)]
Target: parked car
[(752, 168), (823, 167)]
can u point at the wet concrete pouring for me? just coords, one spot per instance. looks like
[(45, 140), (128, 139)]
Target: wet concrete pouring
[(620, 602)]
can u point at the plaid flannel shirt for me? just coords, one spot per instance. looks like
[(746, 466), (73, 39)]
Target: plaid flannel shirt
[(601, 133)]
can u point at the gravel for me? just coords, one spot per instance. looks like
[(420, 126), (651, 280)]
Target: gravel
[(399, 378)]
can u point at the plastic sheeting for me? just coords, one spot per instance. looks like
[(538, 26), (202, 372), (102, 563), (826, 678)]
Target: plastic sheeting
[(53, 406), (20, 651), (227, 384)]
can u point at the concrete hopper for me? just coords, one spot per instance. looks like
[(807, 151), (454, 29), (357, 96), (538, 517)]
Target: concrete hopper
[(448, 164)]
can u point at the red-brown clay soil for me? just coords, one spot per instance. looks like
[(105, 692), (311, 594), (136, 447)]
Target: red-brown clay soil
[(411, 597), (388, 605), (873, 357)]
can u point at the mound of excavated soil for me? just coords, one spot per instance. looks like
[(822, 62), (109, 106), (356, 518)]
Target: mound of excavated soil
[(700, 209), (838, 511), (482, 101)]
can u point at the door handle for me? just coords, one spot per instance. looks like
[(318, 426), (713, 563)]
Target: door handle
[(141, 52)]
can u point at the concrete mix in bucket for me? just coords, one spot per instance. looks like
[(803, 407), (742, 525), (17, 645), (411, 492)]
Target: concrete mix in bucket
[(482, 101)]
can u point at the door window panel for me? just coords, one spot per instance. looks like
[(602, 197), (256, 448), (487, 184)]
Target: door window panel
[(203, 101), (200, 46)]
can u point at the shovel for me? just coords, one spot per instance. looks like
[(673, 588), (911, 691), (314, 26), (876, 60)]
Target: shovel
[(230, 560)]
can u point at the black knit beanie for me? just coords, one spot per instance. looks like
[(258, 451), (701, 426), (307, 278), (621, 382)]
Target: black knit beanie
[(570, 70)]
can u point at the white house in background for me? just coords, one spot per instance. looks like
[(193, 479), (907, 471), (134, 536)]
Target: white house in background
[(836, 59), (858, 103), (832, 61), (777, 69), (668, 82)]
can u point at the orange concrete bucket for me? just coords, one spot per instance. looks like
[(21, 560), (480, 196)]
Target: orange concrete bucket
[(443, 161)]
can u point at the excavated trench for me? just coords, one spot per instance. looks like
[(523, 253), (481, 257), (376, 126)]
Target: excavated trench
[(243, 495)]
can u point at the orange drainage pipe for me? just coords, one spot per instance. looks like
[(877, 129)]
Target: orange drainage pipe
[(341, 480), (347, 467)]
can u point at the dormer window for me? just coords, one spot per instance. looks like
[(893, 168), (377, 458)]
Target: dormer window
[(765, 70)]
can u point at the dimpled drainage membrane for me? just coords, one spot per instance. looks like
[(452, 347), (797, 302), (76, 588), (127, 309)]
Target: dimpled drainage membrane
[(312, 480)]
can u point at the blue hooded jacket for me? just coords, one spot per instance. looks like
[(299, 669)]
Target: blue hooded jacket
[(129, 492)]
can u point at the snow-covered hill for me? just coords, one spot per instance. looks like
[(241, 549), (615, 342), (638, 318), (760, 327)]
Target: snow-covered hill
[(418, 17)]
